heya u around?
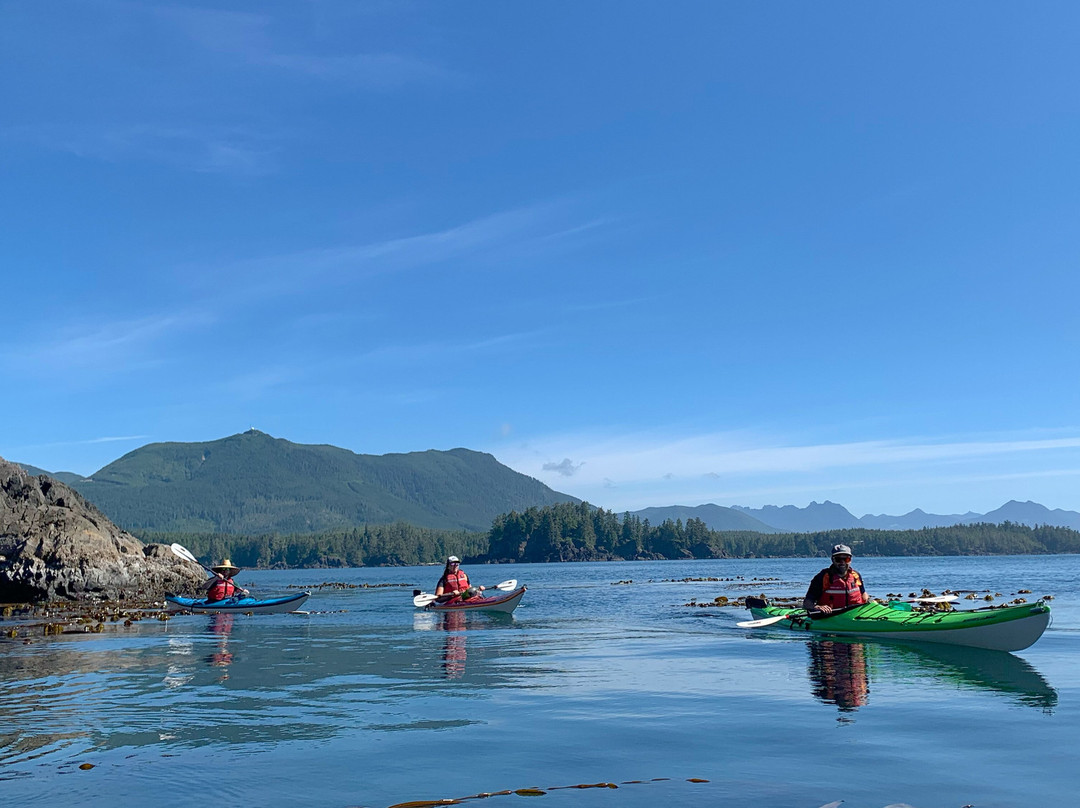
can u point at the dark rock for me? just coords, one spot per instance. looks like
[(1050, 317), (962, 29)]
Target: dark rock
[(56, 545)]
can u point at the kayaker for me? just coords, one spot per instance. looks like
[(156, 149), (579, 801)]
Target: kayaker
[(222, 586), (837, 586), (454, 583)]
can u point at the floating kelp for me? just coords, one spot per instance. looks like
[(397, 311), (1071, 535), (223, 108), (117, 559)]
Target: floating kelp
[(343, 585), (71, 617), (533, 791)]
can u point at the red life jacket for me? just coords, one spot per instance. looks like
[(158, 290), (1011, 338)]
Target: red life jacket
[(221, 590), (840, 592), (453, 581)]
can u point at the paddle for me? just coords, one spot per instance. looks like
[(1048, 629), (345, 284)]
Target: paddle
[(937, 599), (765, 621), (185, 553), (797, 615), (423, 599)]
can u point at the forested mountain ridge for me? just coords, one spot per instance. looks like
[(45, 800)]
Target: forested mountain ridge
[(580, 532), (569, 532), (254, 483)]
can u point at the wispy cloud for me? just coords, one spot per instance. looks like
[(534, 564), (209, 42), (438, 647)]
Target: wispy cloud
[(645, 456), (205, 149), (99, 347), (650, 469), (256, 40), (84, 442), (519, 232)]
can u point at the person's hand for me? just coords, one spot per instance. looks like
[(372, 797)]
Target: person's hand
[(825, 609), (480, 588)]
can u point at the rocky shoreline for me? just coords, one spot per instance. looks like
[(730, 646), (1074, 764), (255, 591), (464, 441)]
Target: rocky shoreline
[(56, 546), (25, 622)]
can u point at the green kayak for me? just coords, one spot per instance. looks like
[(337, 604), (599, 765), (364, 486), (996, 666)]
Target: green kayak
[(1004, 628)]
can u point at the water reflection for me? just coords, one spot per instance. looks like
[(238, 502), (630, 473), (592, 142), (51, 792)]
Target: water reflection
[(980, 669), (454, 646), (841, 671), (839, 674), (221, 625)]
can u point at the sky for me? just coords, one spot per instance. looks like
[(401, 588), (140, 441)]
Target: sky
[(650, 254)]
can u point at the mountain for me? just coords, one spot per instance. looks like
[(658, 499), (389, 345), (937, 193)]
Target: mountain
[(1030, 514), (254, 483), (66, 477), (715, 517), (918, 519), (814, 517), (830, 516)]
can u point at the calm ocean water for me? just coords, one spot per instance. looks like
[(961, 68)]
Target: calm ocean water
[(368, 702)]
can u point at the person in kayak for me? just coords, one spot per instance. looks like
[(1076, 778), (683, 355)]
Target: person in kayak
[(455, 583), (836, 587), (222, 586)]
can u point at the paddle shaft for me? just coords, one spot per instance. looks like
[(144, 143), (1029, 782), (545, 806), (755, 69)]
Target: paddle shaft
[(184, 553), (424, 599)]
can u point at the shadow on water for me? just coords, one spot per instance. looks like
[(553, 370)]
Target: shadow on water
[(841, 671)]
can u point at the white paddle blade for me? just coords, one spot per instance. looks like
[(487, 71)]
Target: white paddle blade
[(423, 599), (938, 599), (507, 586), (184, 553), (765, 621)]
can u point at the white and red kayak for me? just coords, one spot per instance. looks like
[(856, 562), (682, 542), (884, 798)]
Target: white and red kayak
[(504, 602)]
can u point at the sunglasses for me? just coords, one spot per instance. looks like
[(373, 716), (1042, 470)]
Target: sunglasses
[(841, 558)]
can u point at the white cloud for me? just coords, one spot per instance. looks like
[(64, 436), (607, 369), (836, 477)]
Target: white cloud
[(205, 149), (647, 469), (567, 468), (520, 231), (254, 39), (99, 347)]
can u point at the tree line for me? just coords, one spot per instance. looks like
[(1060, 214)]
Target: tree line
[(580, 532)]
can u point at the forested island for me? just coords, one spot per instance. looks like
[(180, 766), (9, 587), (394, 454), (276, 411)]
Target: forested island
[(581, 532)]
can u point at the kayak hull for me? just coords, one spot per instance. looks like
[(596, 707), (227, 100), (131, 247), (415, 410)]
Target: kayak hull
[(504, 603), (244, 605), (1007, 628)]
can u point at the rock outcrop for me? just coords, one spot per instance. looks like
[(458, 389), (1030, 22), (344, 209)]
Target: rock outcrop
[(54, 545)]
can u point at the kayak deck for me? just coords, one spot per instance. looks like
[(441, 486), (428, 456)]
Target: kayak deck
[(1006, 628), (498, 603), (238, 605)]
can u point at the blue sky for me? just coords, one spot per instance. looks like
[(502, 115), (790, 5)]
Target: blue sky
[(677, 253)]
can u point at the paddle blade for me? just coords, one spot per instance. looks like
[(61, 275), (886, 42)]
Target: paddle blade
[(765, 621), (184, 553), (423, 599), (937, 599), (507, 586)]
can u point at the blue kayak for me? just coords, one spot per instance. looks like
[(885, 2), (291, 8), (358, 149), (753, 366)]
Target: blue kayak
[(239, 604)]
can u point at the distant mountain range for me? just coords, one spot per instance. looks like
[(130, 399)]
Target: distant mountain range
[(827, 515), (253, 483)]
